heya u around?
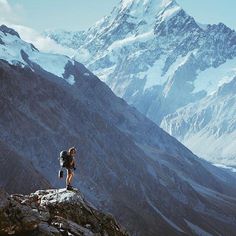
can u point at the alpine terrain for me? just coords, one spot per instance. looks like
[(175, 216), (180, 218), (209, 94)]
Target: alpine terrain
[(159, 59), (126, 164), (53, 212)]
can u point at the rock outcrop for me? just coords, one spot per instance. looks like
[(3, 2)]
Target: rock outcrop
[(53, 212)]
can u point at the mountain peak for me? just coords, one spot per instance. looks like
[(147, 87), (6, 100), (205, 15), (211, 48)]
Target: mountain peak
[(134, 6), (142, 14), (7, 30), (161, 3)]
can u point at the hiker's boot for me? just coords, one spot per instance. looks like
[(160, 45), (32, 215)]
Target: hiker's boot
[(69, 187)]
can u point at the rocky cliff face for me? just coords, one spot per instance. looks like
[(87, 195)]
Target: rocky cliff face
[(54, 212)]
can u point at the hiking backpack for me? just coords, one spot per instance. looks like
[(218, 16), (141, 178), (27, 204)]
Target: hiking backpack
[(63, 159)]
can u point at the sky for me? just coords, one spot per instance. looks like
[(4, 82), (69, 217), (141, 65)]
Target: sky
[(81, 14), (58, 14), (211, 11)]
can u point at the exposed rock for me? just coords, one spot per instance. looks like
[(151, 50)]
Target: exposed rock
[(7, 30), (53, 212)]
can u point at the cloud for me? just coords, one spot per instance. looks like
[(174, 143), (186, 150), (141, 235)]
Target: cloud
[(10, 13), (4, 6), (44, 44)]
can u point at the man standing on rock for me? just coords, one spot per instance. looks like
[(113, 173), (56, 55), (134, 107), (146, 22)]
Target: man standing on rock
[(70, 166)]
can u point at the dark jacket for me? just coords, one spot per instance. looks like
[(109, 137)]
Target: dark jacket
[(69, 162)]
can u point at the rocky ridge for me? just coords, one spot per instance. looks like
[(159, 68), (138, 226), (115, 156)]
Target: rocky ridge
[(53, 212)]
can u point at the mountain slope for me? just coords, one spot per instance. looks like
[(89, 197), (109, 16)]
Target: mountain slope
[(214, 117), (158, 58), (17, 173), (127, 165)]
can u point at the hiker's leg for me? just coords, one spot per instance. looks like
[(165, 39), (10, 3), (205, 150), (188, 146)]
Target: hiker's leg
[(71, 177), (68, 177)]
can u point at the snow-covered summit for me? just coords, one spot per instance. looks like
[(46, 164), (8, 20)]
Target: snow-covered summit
[(18, 52), (134, 4), (134, 18), (146, 8)]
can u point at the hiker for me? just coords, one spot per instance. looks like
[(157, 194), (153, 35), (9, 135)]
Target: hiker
[(70, 167), (67, 161)]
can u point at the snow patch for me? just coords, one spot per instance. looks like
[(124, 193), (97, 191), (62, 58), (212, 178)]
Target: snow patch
[(86, 74), (132, 39), (126, 3), (52, 63), (154, 75), (232, 169), (220, 150), (82, 55), (11, 50), (103, 74), (210, 79), (71, 80), (169, 13)]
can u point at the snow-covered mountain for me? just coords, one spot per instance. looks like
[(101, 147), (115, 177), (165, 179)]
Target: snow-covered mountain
[(158, 58), (209, 126), (127, 165), (17, 52)]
